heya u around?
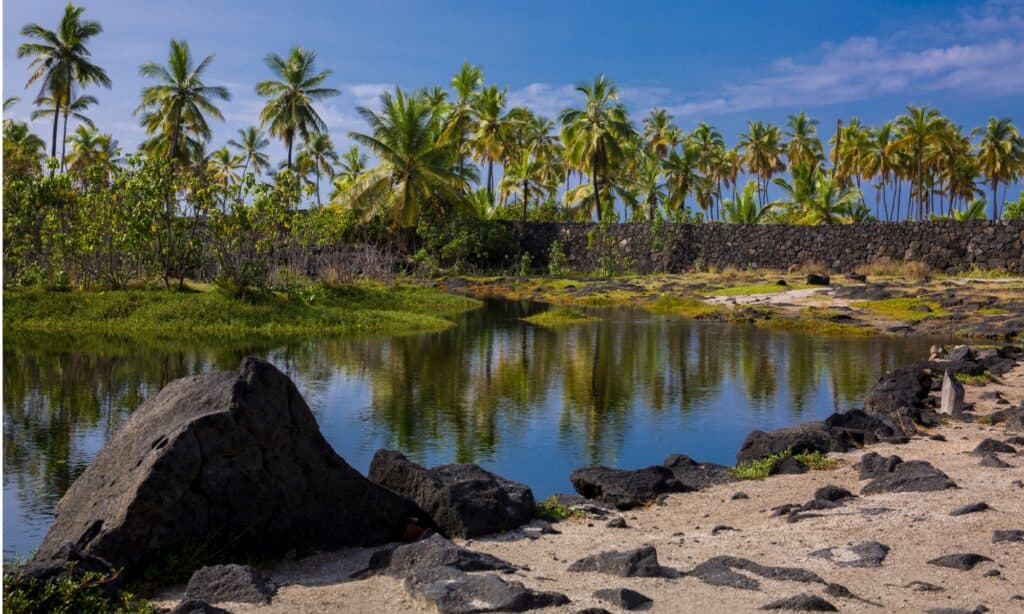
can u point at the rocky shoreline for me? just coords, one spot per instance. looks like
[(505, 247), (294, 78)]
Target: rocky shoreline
[(919, 507)]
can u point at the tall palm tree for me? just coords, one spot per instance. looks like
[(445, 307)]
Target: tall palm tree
[(525, 176), (351, 165), (762, 153), (1000, 154), (595, 135), (658, 133), (61, 60), (226, 167), (318, 150), (175, 109), (681, 175), (466, 83), (803, 147), (76, 109), (289, 112), (917, 129), (250, 144), (415, 170), (89, 148), (489, 130)]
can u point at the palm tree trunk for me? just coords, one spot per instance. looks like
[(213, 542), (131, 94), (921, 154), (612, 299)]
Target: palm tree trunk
[(53, 142), (289, 139), (525, 201), (597, 191), (318, 203), (64, 141), (995, 200), (490, 181)]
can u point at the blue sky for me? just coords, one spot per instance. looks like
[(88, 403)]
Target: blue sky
[(722, 62)]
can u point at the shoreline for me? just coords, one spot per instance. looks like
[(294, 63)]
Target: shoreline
[(688, 529)]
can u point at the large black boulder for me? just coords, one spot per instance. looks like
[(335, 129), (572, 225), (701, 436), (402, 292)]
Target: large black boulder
[(235, 583), (626, 489), (856, 428), (463, 500), (806, 437), (893, 474), (695, 475), (639, 563), (231, 460), (898, 398)]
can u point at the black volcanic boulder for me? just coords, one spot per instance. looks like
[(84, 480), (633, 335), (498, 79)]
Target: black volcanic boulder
[(695, 475), (626, 489), (893, 474), (898, 398), (857, 428), (806, 437), (231, 460), (463, 500)]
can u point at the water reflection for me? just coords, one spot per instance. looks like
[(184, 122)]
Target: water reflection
[(528, 402)]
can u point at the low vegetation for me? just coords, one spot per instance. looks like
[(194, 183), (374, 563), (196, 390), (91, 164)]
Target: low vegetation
[(814, 324), (550, 509), (560, 316), (976, 380), (689, 307), (762, 468), (765, 288), (362, 309), (910, 270), (903, 308), (73, 594)]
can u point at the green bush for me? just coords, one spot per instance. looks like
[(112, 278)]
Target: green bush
[(464, 242), (558, 263), (71, 594)]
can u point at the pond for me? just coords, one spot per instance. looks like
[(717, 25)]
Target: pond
[(528, 403)]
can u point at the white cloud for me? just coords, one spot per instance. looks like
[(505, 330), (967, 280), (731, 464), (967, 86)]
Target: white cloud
[(544, 99)]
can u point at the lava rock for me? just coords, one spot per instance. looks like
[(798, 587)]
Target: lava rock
[(739, 495), (898, 398), (617, 523), (866, 554), (67, 561), (991, 460), (455, 592), (433, 552), (1007, 535), (233, 460), (893, 474), (813, 279), (970, 508), (639, 563), (463, 500), (787, 466), (856, 428), (924, 587), (695, 475), (992, 446), (719, 571), (804, 602), (196, 606), (624, 598), (964, 561), (235, 583), (832, 493), (626, 489), (807, 437)]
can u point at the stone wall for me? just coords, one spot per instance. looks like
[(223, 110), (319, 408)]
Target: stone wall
[(946, 245)]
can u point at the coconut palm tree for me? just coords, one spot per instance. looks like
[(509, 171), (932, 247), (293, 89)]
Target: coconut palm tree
[(917, 129), (23, 151), (1000, 155), (289, 112), (61, 60), (50, 106), (225, 167), (175, 109), (973, 211), (91, 149), (830, 204), (762, 151), (415, 170), (659, 133), (743, 208), (524, 176), (594, 136), (466, 83), (681, 175), (250, 144), (318, 150), (803, 147), (489, 130), (352, 164)]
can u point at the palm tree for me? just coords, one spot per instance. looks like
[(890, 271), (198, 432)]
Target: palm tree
[(75, 109), (22, 150), (973, 211), (290, 112), (681, 174), (743, 208), (90, 147), (659, 133), (226, 168), (466, 83), (1000, 154), (595, 135), (489, 130), (829, 204), (352, 164), (250, 145), (415, 170), (803, 147), (61, 59), (762, 153), (175, 109), (318, 150), (524, 176), (917, 129)]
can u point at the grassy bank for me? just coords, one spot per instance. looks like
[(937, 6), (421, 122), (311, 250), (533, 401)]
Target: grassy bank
[(364, 309), (560, 316)]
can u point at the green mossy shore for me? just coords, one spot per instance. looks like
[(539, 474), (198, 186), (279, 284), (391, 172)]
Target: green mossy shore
[(358, 310)]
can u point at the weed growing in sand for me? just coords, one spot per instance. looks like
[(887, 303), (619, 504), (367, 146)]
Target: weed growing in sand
[(551, 509), (762, 468), (976, 380)]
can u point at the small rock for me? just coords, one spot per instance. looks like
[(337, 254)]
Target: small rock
[(991, 460), (993, 446), (720, 571), (979, 609), (1016, 440), (721, 529), (616, 523), (937, 437), (454, 591), (787, 466), (924, 587), (964, 561), (970, 508), (992, 573), (1007, 535), (867, 554), (638, 563), (813, 279), (804, 602), (626, 489), (832, 493), (593, 611), (625, 598), (196, 606), (892, 474), (237, 583), (961, 352), (739, 495)]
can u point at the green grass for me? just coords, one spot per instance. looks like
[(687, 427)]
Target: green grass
[(749, 289), (560, 316), (364, 309), (902, 308), (550, 509), (685, 306), (761, 468), (992, 311), (976, 380), (815, 325)]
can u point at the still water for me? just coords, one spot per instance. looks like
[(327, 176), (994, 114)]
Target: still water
[(528, 403)]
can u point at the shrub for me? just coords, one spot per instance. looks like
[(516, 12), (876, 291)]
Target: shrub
[(550, 509), (462, 241), (79, 593), (558, 263), (911, 270)]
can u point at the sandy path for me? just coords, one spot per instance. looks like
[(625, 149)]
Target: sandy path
[(917, 528)]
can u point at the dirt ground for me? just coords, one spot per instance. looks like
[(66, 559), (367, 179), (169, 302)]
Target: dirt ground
[(917, 527)]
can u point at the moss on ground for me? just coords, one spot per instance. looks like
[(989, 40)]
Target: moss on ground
[(689, 307), (816, 325), (560, 316), (363, 309), (903, 308), (750, 289)]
